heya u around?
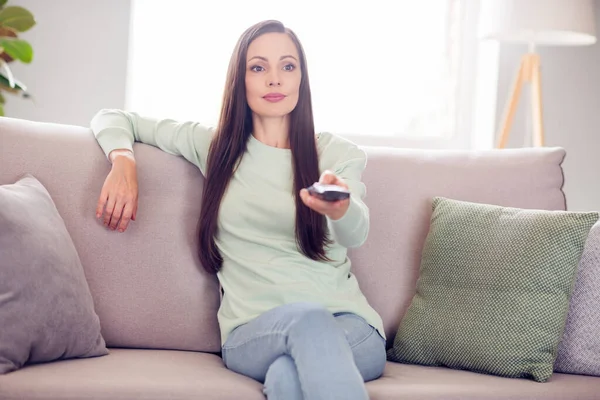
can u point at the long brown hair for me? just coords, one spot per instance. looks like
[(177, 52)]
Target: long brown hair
[(229, 144)]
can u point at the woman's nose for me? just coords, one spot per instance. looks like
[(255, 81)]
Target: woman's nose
[(273, 79)]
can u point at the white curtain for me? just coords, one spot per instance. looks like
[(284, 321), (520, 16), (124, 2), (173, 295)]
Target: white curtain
[(377, 67)]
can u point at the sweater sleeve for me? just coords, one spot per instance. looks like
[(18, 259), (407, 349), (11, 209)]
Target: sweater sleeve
[(353, 228), (118, 129)]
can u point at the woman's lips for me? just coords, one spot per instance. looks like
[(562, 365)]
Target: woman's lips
[(274, 97)]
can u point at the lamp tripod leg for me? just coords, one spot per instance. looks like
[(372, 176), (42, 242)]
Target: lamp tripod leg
[(510, 107)]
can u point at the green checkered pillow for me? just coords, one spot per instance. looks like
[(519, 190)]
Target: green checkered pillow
[(493, 290)]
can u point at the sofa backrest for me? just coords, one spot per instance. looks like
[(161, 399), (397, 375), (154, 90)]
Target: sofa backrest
[(148, 286), (147, 283), (400, 186)]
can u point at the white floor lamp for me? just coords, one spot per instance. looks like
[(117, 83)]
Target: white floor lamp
[(535, 23)]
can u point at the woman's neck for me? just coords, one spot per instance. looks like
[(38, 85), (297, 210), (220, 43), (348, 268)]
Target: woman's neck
[(272, 131)]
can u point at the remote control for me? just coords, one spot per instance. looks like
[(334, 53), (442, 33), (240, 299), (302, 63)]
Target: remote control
[(328, 192)]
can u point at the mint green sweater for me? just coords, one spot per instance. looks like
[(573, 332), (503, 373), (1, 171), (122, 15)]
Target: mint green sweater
[(262, 266)]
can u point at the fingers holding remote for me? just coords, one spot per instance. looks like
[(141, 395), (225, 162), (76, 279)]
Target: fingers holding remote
[(332, 209), (329, 178)]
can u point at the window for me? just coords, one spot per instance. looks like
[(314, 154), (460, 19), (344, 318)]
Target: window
[(380, 71)]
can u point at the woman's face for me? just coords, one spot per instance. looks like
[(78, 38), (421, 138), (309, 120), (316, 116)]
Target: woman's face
[(272, 75)]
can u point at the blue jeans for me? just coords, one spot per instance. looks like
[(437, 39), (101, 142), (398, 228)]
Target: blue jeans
[(302, 351)]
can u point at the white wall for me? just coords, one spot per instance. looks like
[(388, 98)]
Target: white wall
[(571, 105), (80, 66), (80, 60)]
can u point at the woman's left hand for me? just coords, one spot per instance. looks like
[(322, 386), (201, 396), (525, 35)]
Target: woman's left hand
[(333, 209)]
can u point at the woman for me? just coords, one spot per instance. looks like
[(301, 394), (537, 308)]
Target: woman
[(292, 315)]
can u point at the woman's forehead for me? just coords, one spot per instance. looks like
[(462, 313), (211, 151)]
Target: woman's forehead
[(272, 46)]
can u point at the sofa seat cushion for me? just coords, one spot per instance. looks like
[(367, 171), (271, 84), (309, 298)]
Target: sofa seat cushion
[(131, 374), (415, 382), (174, 375)]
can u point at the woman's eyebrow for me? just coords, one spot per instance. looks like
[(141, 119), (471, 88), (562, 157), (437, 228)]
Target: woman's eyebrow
[(266, 60)]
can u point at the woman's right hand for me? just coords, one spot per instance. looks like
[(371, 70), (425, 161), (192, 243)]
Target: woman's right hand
[(119, 196)]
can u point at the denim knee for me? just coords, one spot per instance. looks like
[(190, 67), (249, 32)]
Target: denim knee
[(309, 317)]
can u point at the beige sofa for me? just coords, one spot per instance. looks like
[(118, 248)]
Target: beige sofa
[(158, 309)]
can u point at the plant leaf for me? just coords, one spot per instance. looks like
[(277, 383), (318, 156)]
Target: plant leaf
[(5, 83), (2, 2), (16, 18), (9, 32), (1, 110), (18, 49), (9, 76)]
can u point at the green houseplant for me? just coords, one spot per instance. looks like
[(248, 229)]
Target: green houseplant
[(13, 20)]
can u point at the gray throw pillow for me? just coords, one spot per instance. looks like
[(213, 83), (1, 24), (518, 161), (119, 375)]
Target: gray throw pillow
[(46, 308), (579, 350)]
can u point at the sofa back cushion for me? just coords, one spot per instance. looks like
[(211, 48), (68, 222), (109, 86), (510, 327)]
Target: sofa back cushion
[(148, 285), (401, 184)]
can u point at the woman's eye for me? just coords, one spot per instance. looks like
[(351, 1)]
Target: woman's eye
[(257, 68), (289, 67)]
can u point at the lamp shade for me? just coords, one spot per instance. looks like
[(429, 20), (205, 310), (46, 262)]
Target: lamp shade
[(539, 22)]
